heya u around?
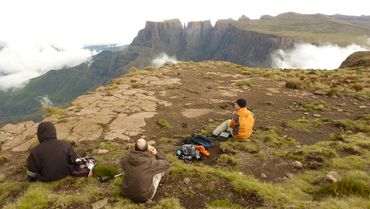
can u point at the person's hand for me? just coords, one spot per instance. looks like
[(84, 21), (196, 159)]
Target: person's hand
[(152, 150)]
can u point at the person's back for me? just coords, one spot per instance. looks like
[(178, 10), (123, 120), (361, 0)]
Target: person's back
[(52, 159), (143, 171)]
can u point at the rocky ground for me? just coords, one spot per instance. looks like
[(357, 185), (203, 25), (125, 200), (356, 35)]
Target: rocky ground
[(309, 138)]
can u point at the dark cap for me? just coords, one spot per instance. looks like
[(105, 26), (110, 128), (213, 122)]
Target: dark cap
[(241, 102)]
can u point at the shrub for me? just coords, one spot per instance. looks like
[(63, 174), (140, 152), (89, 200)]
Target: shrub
[(53, 111)]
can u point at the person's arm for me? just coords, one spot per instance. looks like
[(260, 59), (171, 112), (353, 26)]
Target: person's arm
[(234, 120), (32, 170), (71, 155), (161, 163)]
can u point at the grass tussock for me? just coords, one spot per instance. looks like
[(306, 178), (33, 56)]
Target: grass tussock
[(50, 111), (163, 123), (345, 187)]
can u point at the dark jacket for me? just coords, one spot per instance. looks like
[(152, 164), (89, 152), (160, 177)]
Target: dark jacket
[(52, 159), (139, 168)]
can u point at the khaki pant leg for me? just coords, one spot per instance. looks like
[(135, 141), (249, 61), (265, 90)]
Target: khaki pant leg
[(156, 179), (223, 127)]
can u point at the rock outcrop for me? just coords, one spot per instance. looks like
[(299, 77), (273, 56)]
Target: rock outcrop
[(357, 59), (200, 41)]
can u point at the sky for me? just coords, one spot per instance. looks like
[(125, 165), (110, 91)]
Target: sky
[(41, 35), (118, 21)]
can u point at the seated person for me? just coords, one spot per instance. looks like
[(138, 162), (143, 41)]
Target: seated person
[(241, 124), (143, 168), (52, 159)]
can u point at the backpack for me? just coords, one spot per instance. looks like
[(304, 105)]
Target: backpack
[(204, 141), (188, 152)]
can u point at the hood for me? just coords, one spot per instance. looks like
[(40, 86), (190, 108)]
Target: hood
[(46, 131), (137, 157)]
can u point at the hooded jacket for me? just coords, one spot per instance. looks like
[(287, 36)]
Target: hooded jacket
[(52, 159), (139, 168), (242, 124)]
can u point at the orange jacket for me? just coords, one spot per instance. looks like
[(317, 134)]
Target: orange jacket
[(242, 124)]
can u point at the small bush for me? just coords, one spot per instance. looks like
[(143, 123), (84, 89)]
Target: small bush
[(345, 187), (163, 123)]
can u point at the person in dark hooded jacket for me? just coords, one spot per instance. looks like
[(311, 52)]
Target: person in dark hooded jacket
[(52, 159), (143, 168)]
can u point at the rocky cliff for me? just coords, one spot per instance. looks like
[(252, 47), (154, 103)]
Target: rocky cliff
[(200, 41)]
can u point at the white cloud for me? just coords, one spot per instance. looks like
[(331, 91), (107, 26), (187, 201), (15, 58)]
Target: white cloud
[(21, 61), (163, 59), (309, 56), (45, 101)]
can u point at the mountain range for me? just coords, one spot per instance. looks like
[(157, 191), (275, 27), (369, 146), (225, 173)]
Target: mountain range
[(244, 41)]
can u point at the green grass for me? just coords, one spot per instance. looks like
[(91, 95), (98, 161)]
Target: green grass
[(242, 83), (221, 204), (105, 171), (304, 124), (345, 187), (168, 203), (273, 138), (53, 111), (163, 123)]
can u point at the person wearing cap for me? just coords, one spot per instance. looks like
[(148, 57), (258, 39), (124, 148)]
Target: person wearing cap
[(241, 123), (143, 168), (52, 159)]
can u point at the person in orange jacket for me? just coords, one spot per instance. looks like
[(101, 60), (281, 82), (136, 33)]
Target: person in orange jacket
[(241, 124)]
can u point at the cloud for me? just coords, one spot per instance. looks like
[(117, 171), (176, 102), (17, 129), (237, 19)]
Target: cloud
[(163, 59), (309, 56), (21, 61), (45, 101)]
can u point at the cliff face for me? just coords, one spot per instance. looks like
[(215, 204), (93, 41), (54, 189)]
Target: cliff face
[(200, 41), (164, 36)]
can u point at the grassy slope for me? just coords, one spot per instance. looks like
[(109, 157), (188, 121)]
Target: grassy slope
[(310, 28), (347, 153)]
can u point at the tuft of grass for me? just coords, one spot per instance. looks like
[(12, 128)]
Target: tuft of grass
[(150, 68), (349, 163), (136, 85), (345, 187), (227, 160), (53, 111), (234, 147), (245, 82), (217, 204), (163, 123), (10, 189), (357, 87), (168, 203), (105, 171), (303, 124), (273, 138), (293, 84)]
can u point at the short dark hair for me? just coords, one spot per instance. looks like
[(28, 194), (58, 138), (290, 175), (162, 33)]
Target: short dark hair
[(241, 102)]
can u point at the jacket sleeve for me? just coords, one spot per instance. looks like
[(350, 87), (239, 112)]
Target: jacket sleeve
[(71, 155), (160, 165), (32, 169), (233, 121)]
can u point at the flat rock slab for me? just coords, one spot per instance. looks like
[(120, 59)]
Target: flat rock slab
[(193, 113)]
